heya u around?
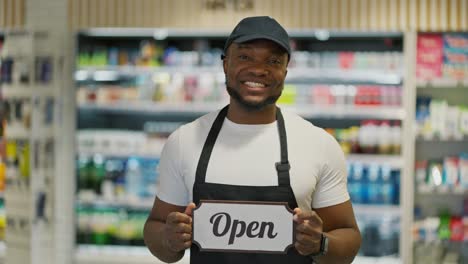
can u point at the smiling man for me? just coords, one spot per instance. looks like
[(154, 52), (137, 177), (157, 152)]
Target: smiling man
[(251, 151)]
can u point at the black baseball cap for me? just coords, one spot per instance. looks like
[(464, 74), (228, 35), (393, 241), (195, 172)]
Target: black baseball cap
[(259, 27)]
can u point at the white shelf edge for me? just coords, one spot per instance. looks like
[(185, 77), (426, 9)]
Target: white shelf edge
[(140, 204), (377, 260), (394, 161), (154, 107), (16, 132), (89, 254), (441, 190), (432, 138), (442, 83), (357, 112), (376, 209), (221, 33), (26, 91), (332, 112), (345, 75), (22, 133)]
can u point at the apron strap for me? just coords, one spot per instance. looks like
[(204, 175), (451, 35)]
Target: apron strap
[(200, 174), (283, 166)]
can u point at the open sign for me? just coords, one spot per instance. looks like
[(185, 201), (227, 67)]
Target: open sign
[(243, 226)]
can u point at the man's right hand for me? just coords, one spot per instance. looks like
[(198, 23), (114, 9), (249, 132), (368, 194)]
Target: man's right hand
[(179, 229)]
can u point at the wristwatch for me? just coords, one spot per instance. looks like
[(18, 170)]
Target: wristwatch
[(323, 246)]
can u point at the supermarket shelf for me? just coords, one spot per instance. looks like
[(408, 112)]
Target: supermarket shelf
[(295, 75), (348, 76), (2, 251), (377, 260), (113, 73), (162, 33), (197, 109), (442, 83), (21, 133), (87, 254), (442, 190), (154, 108), (354, 112), (16, 132), (394, 161), (371, 209), (145, 204), (26, 91), (434, 139)]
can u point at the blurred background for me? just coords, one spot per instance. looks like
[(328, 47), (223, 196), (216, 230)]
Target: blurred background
[(90, 90)]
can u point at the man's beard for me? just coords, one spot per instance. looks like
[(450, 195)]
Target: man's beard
[(251, 106)]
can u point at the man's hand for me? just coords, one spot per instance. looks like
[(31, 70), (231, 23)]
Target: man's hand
[(308, 232), (179, 229)]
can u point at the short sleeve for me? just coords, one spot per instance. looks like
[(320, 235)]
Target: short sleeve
[(331, 188), (171, 187)]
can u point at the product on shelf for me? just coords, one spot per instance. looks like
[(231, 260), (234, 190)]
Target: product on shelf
[(17, 160), (117, 165), (17, 70), (161, 87), (373, 184), (455, 55), (347, 60), (380, 234), (372, 137), (442, 56), (447, 175), (104, 225), (435, 118), (441, 238)]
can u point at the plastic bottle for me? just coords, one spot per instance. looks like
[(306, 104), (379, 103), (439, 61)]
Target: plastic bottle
[(388, 185), (2, 175), (133, 178), (97, 173), (355, 184), (395, 137), (374, 185), (384, 138), (368, 137)]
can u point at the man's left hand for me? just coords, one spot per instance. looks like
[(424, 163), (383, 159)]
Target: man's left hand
[(309, 231)]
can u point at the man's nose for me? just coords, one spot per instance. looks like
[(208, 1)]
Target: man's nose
[(259, 69)]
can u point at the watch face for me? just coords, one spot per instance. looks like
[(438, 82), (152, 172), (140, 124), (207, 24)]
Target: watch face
[(325, 244)]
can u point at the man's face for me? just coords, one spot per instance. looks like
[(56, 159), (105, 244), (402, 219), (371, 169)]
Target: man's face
[(255, 73)]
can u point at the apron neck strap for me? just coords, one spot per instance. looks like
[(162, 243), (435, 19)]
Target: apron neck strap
[(282, 167)]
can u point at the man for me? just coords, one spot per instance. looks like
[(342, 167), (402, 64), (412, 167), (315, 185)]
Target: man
[(241, 153)]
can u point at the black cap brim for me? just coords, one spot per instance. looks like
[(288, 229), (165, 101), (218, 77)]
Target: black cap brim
[(251, 37)]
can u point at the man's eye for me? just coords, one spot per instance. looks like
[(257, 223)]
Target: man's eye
[(243, 57), (275, 62)]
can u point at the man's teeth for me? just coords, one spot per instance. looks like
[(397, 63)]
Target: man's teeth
[(254, 84)]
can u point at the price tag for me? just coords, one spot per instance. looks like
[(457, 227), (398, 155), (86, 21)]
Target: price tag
[(230, 226)]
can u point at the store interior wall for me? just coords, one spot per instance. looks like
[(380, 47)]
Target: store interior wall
[(389, 15)]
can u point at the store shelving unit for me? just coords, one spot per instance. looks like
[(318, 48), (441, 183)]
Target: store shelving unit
[(112, 114), (124, 255), (443, 200), (2, 242), (32, 93)]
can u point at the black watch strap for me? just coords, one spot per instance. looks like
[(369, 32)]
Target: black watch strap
[(323, 247)]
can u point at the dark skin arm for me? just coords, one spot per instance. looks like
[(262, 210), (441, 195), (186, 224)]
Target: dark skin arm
[(337, 223), (168, 230)]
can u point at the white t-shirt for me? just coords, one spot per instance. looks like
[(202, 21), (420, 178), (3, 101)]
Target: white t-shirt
[(246, 155)]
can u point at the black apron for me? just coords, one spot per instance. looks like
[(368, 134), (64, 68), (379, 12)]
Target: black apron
[(213, 191)]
